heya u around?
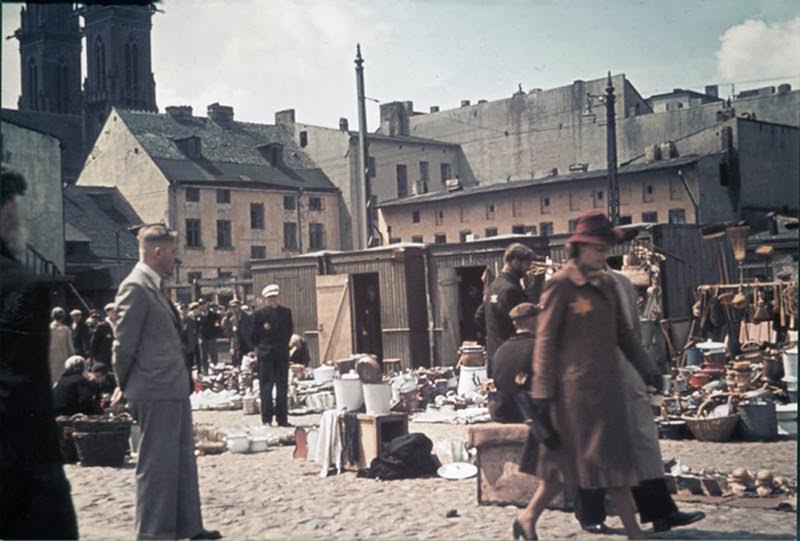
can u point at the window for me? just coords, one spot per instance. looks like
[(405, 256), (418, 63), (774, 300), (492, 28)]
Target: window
[(224, 274), (572, 225), (625, 220), (224, 234), (395, 240), (440, 238), (272, 152), (650, 217), (258, 252), (192, 195), (192, 277), (424, 172), (446, 171), (289, 202), (516, 207), (289, 236), (545, 205), (490, 211), (316, 236), (303, 139), (462, 236), (223, 196), (647, 193), (371, 166), (402, 180), (439, 217), (315, 203), (256, 215), (546, 228), (675, 189), (599, 199), (677, 216), (490, 232), (530, 229), (193, 239), (518, 229), (415, 217), (417, 238)]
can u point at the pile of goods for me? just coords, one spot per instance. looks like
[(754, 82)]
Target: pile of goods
[(739, 482)]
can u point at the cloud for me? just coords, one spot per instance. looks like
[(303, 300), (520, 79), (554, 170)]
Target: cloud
[(759, 50)]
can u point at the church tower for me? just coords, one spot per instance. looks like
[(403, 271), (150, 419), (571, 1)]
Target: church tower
[(118, 62), (50, 53)]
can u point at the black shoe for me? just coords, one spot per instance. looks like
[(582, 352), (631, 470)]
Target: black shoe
[(208, 534), (519, 532), (599, 528), (678, 518), (284, 424)]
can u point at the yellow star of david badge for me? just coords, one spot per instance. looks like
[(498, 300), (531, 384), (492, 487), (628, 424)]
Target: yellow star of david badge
[(581, 306), (493, 299)]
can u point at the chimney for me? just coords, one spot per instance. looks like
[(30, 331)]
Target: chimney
[(344, 125), (285, 118), (394, 118), (784, 88), (221, 114), (434, 108), (481, 101), (712, 90), (409, 107), (179, 112), (464, 103)]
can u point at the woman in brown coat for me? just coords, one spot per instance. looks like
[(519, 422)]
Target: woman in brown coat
[(577, 380)]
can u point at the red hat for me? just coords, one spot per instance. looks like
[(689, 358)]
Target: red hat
[(594, 228)]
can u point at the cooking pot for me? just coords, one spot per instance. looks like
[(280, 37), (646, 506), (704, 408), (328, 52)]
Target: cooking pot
[(698, 379), (708, 347), (323, 374)]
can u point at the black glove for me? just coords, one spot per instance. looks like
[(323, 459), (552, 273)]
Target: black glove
[(655, 380)]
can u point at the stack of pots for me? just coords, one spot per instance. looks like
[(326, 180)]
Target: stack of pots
[(790, 372)]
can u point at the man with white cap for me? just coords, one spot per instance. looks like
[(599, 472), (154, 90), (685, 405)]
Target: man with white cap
[(272, 330)]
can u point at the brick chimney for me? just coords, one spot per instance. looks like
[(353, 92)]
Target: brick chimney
[(394, 118), (434, 108), (712, 90), (285, 118), (221, 114), (344, 125), (464, 103), (179, 112)]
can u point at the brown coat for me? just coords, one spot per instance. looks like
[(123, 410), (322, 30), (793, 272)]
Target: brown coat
[(575, 365)]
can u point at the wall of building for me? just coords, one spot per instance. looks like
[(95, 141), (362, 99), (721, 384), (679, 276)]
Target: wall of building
[(209, 259), (524, 206), (388, 155), (769, 165), (38, 158), (117, 159)]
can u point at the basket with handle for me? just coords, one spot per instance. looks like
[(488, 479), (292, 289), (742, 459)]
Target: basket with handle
[(719, 429), (102, 448)]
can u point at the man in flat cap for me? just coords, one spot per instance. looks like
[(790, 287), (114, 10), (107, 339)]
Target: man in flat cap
[(236, 326), (513, 364), (35, 501), (272, 330)]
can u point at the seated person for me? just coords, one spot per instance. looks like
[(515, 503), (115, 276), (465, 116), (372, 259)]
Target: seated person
[(102, 380), (513, 364), (298, 351), (73, 392)]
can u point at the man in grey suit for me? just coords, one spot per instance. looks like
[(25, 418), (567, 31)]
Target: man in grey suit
[(149, 364)]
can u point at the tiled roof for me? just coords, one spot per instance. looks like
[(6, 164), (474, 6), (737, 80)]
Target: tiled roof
[(229, 151), (517, 184), (98, 214)]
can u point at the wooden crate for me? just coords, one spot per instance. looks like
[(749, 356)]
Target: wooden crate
[(376, 430)]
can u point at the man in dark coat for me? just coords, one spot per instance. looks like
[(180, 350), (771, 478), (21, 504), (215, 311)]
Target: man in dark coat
[(35, 501), (190, 336), (505, 293), (209, 332), (81, 335), (237, 328), (512, 365), (103, 338), (369, 324), (272, 330)]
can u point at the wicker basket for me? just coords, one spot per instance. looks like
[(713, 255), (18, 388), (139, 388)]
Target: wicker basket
[(713, 428), (100, 423), (69, 454), (102, 448)]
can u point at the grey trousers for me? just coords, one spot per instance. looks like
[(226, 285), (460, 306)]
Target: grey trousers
[(167, 492)]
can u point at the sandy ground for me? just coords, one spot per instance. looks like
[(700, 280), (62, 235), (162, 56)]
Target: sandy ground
[(272, 496)]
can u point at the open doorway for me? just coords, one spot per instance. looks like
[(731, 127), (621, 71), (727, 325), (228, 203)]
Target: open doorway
[(367, 314), (470, 297)]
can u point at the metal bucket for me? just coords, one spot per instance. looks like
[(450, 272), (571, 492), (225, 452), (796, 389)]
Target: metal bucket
[(470, 378), (757, 421)]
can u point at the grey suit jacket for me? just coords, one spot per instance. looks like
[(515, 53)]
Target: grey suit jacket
[(147, 355)]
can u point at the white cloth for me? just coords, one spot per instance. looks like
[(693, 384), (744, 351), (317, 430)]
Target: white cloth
[(328, 447), (145, 268)]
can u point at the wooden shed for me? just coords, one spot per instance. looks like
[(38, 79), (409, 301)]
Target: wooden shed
[(456, 289)]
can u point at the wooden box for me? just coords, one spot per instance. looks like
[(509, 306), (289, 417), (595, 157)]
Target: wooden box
[(499, 480), (376, 430)]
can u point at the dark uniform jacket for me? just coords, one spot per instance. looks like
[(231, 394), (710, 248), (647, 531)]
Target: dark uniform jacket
[(272, 330), (512, 358), (210, 325), (505, 293), (74, 393), (80, 338), (102, 341)]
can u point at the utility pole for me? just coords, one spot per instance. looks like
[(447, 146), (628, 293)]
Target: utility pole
[(611, 154), (363, 191)]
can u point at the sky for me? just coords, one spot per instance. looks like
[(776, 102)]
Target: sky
[(262, 56)]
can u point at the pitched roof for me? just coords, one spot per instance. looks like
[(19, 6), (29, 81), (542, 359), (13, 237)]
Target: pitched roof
[(98, 215), (229, 151), (547, 181)]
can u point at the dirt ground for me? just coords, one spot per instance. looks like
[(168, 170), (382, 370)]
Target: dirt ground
[(269, 495)]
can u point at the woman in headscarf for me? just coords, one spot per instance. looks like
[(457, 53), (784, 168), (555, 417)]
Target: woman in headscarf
[(576, 380)]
